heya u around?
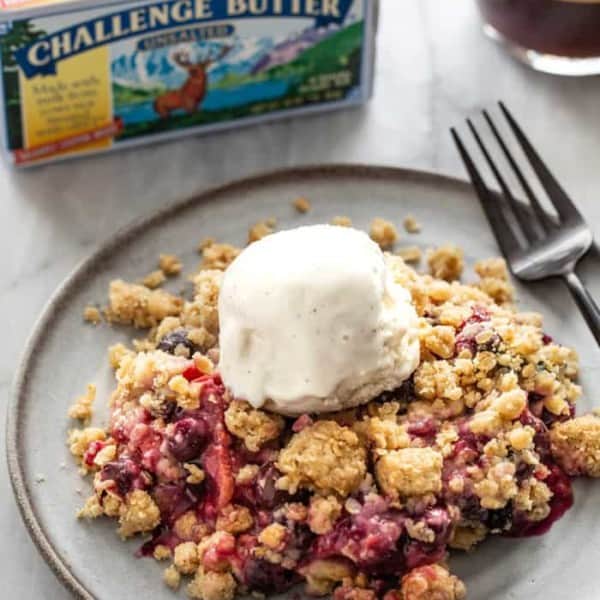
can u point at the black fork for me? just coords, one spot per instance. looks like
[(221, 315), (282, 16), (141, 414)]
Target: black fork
[(535, 245)]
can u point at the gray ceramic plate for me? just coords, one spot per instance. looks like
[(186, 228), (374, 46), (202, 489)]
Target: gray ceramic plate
[(64, 354)]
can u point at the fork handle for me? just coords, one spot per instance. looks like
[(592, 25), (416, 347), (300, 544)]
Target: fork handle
[(587, 305)]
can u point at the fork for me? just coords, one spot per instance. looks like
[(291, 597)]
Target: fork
[(535, 245)]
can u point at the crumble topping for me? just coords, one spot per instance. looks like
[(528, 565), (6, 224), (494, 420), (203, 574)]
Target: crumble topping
[(138, 514), (411, 225), (132, 304), (154, 279), (82, 407), (162, 552), (576, 445), (261, 229), (322, 575), (302, 205), (196, 474), (494, 280), (446, 262), (383, 233), (217, 256), (323, 457), (432, 582), (92, 315), (467, 537), (323, 512), (235, 519), (410, 472), (170, 264), (171, 577), (117, 353), (254, 427), (342, 221), (185, 558), (189, 528), (210, 585)]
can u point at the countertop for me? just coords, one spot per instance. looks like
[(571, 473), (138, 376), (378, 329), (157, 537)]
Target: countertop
[(434, 68)]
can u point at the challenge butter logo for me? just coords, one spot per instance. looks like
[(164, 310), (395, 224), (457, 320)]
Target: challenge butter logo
[(40, 57)]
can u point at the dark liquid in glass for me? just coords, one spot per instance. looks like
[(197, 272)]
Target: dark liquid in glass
[(570, 29)]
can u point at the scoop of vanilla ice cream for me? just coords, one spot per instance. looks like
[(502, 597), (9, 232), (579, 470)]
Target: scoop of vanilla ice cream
[(312, 321)]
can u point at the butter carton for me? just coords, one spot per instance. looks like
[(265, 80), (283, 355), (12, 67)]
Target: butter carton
[(87, 76)]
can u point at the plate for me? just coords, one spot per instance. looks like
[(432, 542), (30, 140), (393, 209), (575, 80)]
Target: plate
[(64, 354)]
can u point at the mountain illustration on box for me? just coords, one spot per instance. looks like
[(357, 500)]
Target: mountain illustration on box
[(151, 71), (210, 82)]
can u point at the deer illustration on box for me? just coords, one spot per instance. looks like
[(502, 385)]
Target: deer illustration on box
[(190, 95)]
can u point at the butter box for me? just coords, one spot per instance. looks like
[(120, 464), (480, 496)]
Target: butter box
[(85, 76)]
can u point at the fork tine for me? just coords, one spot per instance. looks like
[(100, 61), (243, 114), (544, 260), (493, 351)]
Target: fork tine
[(493, 211), (559, 198), (518, 210), (544, 220)]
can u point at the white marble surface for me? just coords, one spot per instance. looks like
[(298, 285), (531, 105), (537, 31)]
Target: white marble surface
[(434, 68)]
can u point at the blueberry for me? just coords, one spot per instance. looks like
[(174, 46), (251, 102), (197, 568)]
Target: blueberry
[(176, 338), (188, 440), (500, 519), (268, 578)]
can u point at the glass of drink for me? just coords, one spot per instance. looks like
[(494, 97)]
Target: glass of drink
[(554, 36)]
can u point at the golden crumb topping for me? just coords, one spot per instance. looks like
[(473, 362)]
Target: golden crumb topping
[(189, 528), (446, 262), (412, 225), (132, 304), (409, 472), (92, 509), (261, 229), (467, 537), (342, 221), (185, 558), (116, 353), (209, 585), (217, 256), (492, 267), (154, 279), (82, 407), (235, 519), (432, 582), (302, 204), (383, 233), (92, 315), (324, 457), (576, 445), (196, 474), (322, 575), (138, 513), (171, 577), (273, 536), (254, 427), (162, 552), (170, 264), (201, 315), (323, 512)]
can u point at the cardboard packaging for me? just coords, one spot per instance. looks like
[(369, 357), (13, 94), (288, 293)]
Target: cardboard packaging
[(80, 77)]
